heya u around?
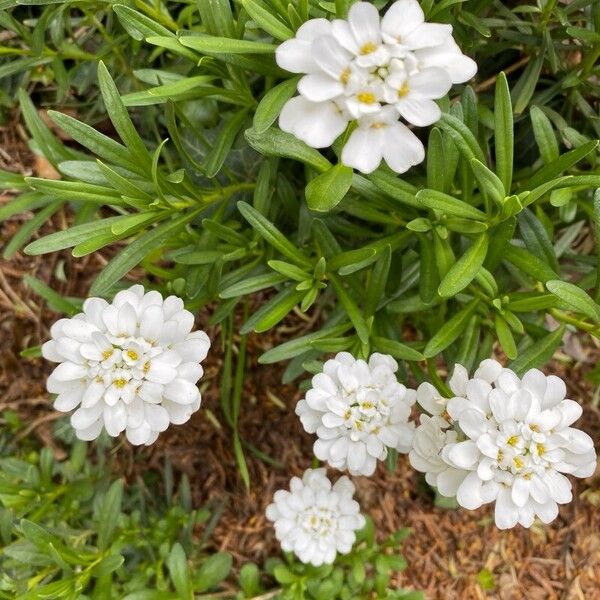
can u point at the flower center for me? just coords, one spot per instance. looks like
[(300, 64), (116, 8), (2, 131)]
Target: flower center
[(345, 76), (120, 383), (107, 354), (403, 90), (366, 97), (368, 48)]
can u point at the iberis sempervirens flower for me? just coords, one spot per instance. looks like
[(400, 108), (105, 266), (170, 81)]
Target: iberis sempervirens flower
[(131, 365), (315, 520), (503, 439), (358, 410), (371, 71)]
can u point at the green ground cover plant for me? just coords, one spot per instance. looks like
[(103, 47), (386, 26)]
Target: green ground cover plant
[(163, 126)]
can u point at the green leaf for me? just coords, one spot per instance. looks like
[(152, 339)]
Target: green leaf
[(397, 349), (107, 565), (352, 310), (221, 45), (428, 272), (450, 330), (70, 237), (464, 270), (489, 182), (576, 297), (435, 161), (98, 143), (536, 238), (49, 145), (272, 235), (28, 229), (109, 513), (377, 281), (274, 142), (213, 570), (135, 252), (525, 87), (55, 301), (544, 135), (265, 19), (222, 145), (180, 572), (273, 311), (120, 118), (463, 138), (505, 337), (503, 132), (251, 285), (562, 163), (328, 189), (271, 104), (539, 353), (448, 205), (529, 263)]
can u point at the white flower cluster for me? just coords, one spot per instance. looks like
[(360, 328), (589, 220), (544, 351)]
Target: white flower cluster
[(503, 439), (371, 71), (358, 410), (129, 366), (315, 520)]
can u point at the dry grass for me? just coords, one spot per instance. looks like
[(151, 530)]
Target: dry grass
[(447, 550)]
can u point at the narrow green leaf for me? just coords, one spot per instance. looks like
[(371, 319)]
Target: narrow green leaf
[(397, 349), (576, 297), (529, 263), (352, 310), (328, 189), (461, 135), (489, 182), (544, 135), (465, 268), (505, 337), (217, 45), (180, 572), (265, 19), (450, 330), (274, 142), (109, 512), (536, 238), (251, 285), (562, 163), (272, 235), (222, 145), (120, 117), (539, 353), (503, 132), (271, 104), (448, 205)]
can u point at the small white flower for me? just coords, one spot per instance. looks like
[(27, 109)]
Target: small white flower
[(509, 440), (412, 92), (129, 366), (358, 410), (371, 71), (404, 29), (381, 136), (316, 520), (318, 124)]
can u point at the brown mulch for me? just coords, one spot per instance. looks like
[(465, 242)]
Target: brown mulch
[(450, 553)]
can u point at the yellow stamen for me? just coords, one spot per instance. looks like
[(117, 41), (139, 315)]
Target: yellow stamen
[(132, 355), (367, 405), (534, 428), (403, 90), (378, 125), (518, 462), (146, 367), (107, 354), (347, 414), (512, 440), (541, 449), (366, 98), (368, 48), (120, 383), (359, 425), (345, 76), (500, 456)]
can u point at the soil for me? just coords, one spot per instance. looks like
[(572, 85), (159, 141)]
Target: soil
[(451, 554)]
